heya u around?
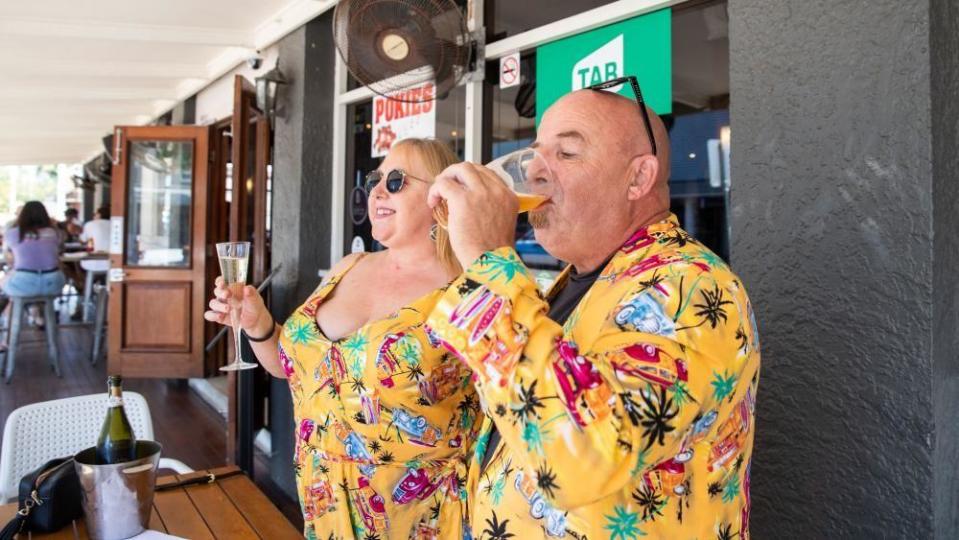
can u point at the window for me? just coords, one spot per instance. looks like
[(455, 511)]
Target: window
[(698, 125)]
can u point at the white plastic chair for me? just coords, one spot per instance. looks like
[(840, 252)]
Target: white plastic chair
[(39, 432)]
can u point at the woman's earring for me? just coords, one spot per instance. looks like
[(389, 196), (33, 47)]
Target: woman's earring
[(433, 232)]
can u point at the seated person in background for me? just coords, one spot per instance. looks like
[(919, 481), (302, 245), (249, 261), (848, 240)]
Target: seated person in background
[(71, 225), (32, 246), (96, 234)]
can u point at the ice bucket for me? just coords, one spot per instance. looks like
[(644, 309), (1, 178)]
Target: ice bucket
[(118, 499)]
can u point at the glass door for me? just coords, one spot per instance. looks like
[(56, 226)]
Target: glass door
[(157, 292)]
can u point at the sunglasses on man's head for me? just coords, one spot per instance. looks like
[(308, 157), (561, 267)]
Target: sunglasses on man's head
[(395, 180), (634, 83)]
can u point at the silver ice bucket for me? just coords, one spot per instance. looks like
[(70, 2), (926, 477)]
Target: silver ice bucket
[(118, 499)]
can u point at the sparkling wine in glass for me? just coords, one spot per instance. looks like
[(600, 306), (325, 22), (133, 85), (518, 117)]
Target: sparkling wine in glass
[(234, 260), (514, 169)]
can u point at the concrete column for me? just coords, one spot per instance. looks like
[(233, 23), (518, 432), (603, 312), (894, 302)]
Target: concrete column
[(302, 172), (844, 216)]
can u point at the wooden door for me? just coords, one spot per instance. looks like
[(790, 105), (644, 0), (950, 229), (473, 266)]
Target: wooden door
[(250, 157), (250, 153), (158, 252)]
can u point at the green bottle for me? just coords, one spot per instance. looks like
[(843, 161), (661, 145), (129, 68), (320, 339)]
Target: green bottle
[(116, 443)]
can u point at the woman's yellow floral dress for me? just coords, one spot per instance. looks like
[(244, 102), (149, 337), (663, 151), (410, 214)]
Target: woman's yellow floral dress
[(384, 422), (633, 420)]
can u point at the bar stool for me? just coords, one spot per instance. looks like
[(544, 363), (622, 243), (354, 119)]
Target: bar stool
[(99, 326), (88, 291), (13, 327)]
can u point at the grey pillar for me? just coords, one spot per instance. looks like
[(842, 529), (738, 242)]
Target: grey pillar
[(944, 21), (845, 212), (302, 172)]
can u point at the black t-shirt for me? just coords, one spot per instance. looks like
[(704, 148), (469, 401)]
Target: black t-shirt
[(561, 306)]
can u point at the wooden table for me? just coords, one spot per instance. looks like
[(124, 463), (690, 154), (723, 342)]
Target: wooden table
[(78, 256), (231, 507)]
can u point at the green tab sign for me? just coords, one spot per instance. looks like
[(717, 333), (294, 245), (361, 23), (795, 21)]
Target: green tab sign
[(641, 46)]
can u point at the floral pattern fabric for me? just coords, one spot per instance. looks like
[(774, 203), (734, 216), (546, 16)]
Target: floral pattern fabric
[(383, 423), (634, 419)]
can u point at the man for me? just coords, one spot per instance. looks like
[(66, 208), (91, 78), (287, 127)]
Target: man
[(621, 406), (97, 230), (71, 224)]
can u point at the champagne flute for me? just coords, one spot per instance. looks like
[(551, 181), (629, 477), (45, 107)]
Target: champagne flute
[(514, 169), (234, 259)]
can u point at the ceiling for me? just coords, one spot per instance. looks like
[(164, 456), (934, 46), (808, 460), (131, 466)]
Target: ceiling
[(72, 70)]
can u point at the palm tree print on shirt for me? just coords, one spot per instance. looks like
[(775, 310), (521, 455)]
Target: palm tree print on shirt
[(495, 529), (622, 525), (506, 266), (723, 385)]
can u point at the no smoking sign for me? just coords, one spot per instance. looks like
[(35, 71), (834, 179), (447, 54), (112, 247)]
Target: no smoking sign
[(509, 71)]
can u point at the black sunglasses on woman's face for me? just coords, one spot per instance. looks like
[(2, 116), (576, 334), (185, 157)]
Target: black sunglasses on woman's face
[(395, 180)]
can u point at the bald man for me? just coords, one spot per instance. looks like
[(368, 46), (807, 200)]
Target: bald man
[(621, 404)]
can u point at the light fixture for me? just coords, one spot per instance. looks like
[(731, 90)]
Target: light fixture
[(266, 90)]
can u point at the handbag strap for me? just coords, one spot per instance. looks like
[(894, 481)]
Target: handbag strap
[(16, 524)]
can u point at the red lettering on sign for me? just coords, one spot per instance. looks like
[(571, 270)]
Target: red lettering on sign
[(378, 113), (428, 91), (416, 94)]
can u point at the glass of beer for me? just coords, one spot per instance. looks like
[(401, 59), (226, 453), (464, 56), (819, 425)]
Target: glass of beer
[(234, 259), (515, 169)]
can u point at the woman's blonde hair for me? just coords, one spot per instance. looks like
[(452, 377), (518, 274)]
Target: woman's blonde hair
[(435, 156)]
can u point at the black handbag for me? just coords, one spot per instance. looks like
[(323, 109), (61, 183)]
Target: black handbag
[(49, 499)]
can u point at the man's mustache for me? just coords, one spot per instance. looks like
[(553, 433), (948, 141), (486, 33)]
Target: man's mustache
[(538, 219)]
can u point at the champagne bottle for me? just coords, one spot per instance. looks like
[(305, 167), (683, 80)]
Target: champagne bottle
[(116, 443)]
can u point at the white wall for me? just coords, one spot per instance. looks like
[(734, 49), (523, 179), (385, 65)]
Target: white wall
[(215, 102)]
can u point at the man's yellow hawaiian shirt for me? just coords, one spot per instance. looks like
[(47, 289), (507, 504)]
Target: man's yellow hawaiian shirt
[(634, 419)]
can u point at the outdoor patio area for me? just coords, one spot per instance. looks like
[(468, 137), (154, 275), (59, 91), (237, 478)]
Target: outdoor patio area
[(189, 429)]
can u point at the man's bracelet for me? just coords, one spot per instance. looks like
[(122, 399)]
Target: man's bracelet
[(264, 338)]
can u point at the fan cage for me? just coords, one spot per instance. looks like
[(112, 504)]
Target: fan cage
[(435, 35)]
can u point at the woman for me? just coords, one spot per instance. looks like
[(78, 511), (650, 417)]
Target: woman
[(384, 420), (34, 246)]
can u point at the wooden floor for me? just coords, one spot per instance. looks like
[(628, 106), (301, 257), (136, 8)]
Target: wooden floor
[(189, 429)]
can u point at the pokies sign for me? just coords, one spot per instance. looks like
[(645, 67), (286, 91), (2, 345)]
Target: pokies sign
[(402, 116)]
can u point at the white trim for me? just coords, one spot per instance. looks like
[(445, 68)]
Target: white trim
[(112, 69), (211, 394), (473, 125), (355, 95), (575, 24), (264, 441), (338, 193), (473, 120), (114, 31), (474, 14)]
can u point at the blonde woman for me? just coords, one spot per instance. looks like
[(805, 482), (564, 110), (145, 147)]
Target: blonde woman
[(384, 418)]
